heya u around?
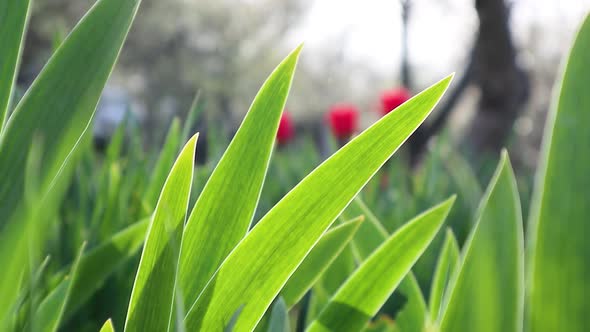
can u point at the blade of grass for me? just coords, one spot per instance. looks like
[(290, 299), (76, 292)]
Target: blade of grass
[(256, 270), (150, 306), (447, 263), (51, 310), (319, 259), (488, 291), (13, 21), (374, 281), (559, 221), (224, 210)]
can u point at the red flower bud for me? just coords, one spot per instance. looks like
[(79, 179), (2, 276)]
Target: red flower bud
[(343, 119), (286, 129), (391, 99)]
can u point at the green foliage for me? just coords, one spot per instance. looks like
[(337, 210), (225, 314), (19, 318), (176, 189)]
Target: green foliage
[(488, 292), (373, 282), (224, 210), (150, 307), (12, 30), (559, 255)]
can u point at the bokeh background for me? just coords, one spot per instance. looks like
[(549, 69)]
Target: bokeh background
[(506, 55)]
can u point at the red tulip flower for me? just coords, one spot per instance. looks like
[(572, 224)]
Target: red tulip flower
[(343, 119), (286, 130), (391, 99)]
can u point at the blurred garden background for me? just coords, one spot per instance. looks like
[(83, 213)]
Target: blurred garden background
[(194, 66)]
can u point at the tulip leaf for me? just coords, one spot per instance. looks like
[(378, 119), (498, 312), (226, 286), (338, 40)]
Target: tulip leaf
[(319, 259), (151, 301), (446, 265), (374, 281), (559, 222), (259, 266), (13, 21), (224, 210), (487, 293)]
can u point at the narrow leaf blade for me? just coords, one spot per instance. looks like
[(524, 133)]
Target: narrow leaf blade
[(151, 301), (488, 292), (375, 280)]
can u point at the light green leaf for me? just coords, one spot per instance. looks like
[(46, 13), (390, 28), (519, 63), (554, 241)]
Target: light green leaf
[(98, 264), (559, 221), (372, 283), (51, 310), (151, 301), (488, 291), (256, 270), (318, 260), (279, 317), (13, 21), (446, 265), (107, 327), (224, 210)]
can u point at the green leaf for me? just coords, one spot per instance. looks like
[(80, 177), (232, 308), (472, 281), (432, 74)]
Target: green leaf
[(256, 270), (224, 210), (560, 213), (372, 283), (151, 301), (279, 317), (488, 292), (60, 103), (13, 21), (107, 327), (51, 310), (98, 264), (318, 260), (162, 167), (446, 265)]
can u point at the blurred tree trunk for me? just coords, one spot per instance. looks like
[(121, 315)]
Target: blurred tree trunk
[(502, 82)]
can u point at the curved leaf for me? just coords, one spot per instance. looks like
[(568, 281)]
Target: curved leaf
[(374, 281), (256, 270)]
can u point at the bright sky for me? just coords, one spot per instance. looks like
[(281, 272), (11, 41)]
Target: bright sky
[(440, 30)]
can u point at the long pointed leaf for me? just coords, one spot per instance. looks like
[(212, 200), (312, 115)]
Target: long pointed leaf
[(13, 21), (151, 301), (256, 270), (223, 213), (447, 263), (373, 282), (488, 292), (559, 221)]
